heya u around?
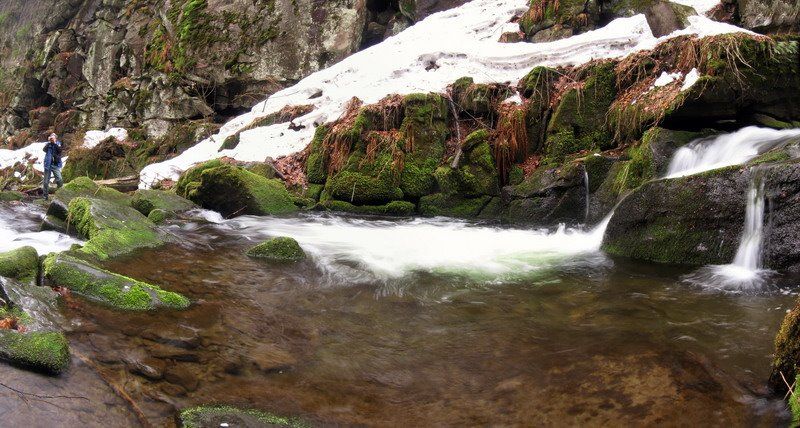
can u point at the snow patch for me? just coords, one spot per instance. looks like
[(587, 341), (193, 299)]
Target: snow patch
[(666, 78), (93, 138), (690, 79), (426, 57), (33, 152)]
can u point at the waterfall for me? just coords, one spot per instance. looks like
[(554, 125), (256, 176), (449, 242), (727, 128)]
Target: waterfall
[(724, 150), (586, 183), (746, 272), (749, 254)]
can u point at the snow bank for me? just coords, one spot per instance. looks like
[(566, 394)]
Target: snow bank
[(93, 138), (424, 58), (34, 152)]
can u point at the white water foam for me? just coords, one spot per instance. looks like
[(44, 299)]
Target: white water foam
[(384, 249), (19, 228), (424, 58), (746, 272), (726, 150)]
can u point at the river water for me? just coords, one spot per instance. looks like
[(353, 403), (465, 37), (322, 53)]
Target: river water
[(415, 323)]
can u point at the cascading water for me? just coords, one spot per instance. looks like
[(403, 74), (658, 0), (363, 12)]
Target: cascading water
[(588, 195), (746, 272), (391, 249), (19, 227), (726, 150)]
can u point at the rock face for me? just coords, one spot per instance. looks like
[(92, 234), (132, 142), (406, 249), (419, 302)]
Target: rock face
[(770, 16), (153, 65)]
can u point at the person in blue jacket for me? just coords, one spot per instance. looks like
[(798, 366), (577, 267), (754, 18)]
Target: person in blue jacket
[(52, 163)]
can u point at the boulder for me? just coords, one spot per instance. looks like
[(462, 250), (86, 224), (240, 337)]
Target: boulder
[(770, 16), (116, 291), (281, 249), (665, 17), (695, 220), (146, 201), (111, 229), (548, 196), (232, 190), (39, 350), (21, 264)]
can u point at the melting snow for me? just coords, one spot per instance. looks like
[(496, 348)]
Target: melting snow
[(667, 78), (690, 79), (93, 138), (424, 58)]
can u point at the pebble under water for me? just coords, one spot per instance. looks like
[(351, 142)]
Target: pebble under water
[(561, 335)]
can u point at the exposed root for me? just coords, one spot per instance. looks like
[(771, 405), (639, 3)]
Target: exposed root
[(510, 139)]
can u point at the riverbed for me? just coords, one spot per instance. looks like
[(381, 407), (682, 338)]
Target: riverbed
[(417, 322)]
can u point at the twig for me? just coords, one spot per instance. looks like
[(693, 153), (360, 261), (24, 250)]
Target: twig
[(117, 390), (42, 397)]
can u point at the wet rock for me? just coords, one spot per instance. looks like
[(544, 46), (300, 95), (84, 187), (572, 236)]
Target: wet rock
[(215, 416), (108, 288), (694, 220), (281, 249), (177, 335), (145, 201), (82, 187), (770, 16), (170, 352), (549, 196), (232, 190), (665, 17), (269, 357), (184, 375), (149, 368), (22, 264)]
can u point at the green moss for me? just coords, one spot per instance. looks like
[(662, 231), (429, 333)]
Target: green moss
[(8, 196), (43, 351), (108, 288), (361, 189), (516, 175), (232, 190), (21, 264), (394, 208), (111, 229), (158, 216), (440, 204), (773, 156), (281, 249), (314, 191), (206, 416), (145, 201), (315, 164)]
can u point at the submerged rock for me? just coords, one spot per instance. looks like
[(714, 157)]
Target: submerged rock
[(108, 288), (281, 249), (22, 264), (45, 351), (215, 416), (232, 190)]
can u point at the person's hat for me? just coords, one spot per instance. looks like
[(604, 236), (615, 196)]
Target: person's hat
[(53, 135)]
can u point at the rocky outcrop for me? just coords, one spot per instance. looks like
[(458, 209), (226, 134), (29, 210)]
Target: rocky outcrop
[(153, 65), (770, 16)]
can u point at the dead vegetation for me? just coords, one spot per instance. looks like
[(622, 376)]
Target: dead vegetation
[(510, 142)]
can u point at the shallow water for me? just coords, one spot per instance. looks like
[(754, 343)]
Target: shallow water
[(343, 339)]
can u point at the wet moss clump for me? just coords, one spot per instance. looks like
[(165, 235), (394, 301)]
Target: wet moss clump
[(315, 165), (42, 351), (359, 188), (146, 201), (281, 249), (107, 287), (452, 205), (394, 208), (232, 190), (111, 229), (21, 264), (214, 416)]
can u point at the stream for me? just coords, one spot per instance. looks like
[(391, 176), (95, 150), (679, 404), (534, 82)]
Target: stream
[(416, 322)]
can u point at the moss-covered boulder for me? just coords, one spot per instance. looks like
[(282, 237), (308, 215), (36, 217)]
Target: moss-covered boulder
[(787, 352), (280, 249), (145, 201), (362, 189), (111, 229), (44, 351), (579, 120), (232, 190), (215, 416), (452, 205), (10, 196), (82, 187), (548, 196), (394, 208), (21, 264), (108, 288), (478, 100), (538, 87), (694, 220)]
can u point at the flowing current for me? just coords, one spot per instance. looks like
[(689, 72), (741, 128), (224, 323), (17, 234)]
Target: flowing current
[(726, 150), (392, 249)]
